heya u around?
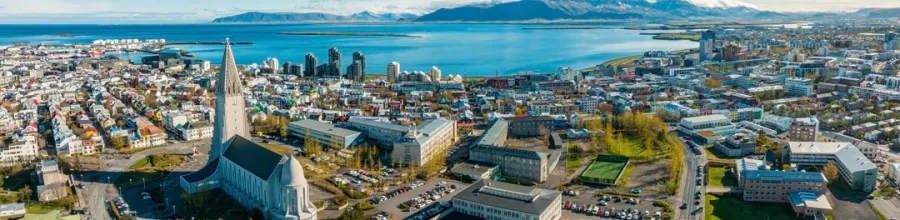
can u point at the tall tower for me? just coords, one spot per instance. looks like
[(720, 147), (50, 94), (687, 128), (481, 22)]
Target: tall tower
[(393, 72), (334, 62), (311, 63), (435, 74), (230, 119), (359, 57), (707, 44)]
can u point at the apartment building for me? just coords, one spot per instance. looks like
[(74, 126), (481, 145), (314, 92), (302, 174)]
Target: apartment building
[(529, 125), (327, 135), (516, 163), (804, 129), (854, 168), (196, 131), (19, 152), (382, 133), (488, 199), (803, 190)]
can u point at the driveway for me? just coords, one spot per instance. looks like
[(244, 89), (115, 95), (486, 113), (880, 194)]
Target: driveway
[(889, 207), (850, 205)]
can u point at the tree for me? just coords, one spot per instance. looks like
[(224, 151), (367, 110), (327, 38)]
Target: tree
[(786, 167), (830, 171), (117, 143), (25, 191), (713, 83), (352, 214), (544, 133)]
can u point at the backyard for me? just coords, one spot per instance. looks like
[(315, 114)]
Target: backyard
[(725, 207), (721, 177)]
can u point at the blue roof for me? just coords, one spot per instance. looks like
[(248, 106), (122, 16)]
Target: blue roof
[(784, 176)]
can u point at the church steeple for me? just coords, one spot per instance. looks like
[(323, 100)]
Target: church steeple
[(229, 80)]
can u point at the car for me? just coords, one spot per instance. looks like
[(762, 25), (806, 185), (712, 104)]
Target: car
[(636, 191), (697, 202), (696, 196), (147, 197), (145, 194), (683, 206)]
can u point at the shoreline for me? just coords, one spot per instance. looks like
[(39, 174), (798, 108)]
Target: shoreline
[(352, 34)]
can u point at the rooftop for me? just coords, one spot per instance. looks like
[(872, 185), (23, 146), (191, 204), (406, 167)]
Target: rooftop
[(256, 159), (324, 128), (784, 176), (509, 196), (705, 118), (853, 160), (817, 147), (810, 200)]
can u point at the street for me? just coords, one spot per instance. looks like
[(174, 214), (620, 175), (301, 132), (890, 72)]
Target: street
[(98, 185), (689, 186)]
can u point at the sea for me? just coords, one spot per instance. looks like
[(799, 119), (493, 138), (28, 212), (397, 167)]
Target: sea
[(468, 49)]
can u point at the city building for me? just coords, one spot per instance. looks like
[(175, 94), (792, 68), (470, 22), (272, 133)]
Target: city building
[(487, 199), (383, 134), (516, 163), (360, 73), (311, 63), (325, 134), (435, 74), (51, 181), (737, 145), (18, 152), (355, 72), (799, 87), (530, 125), (707, 127), (803, 190), (707, 45), (804, 129), (196, 131), (893, 172), (854, 168), (425, 142), (334, 63), (256, 177), (12, 210), (393, 72)]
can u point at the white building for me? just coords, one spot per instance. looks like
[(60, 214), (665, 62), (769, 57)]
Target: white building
[(698, 126), (855, 169), (258, 178), (425, 142), (893, 172), (196, 131), (393, 72), (489, 199), (19, 152), (799, 86)]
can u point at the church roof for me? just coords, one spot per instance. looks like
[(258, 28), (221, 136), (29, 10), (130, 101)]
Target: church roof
[(203, 173), (252, 157), (292, 173)]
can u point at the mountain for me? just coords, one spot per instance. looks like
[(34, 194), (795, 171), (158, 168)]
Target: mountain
[(592, 9), (769, 15), (878, 12), (266, 17)]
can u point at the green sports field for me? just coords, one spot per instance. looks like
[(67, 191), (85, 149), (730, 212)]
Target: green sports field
[(603, 171)]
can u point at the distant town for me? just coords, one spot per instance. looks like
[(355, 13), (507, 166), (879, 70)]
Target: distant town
[(758, 122)]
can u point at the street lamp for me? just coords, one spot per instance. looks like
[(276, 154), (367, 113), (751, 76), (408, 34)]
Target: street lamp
[(145, 183)]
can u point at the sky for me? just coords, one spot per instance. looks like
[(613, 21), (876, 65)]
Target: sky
[(202, 11)]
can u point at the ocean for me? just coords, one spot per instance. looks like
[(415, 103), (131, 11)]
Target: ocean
[(467, 49)]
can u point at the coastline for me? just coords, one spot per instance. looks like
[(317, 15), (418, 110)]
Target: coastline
[(352, 34)]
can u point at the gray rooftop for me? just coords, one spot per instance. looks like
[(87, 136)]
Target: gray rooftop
[(853, 160), (12, 206), (509, 196), (324, 128), (505, 151), (252, 157), (381, 125), (784, 176), (493, 133)]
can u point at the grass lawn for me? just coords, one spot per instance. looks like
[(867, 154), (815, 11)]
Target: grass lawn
[(573, 163), (62, 204), (726, 208), (166, 160), (718, 177), (604, 170), (278, 149), (141, 163), (138, 177)]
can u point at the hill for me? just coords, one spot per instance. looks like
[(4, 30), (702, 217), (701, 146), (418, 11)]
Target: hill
[(313, 17)]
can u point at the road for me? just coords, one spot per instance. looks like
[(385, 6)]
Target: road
[(100, 189), (689, 186)]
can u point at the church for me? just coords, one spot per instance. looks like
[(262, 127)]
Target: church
[(256, 177)]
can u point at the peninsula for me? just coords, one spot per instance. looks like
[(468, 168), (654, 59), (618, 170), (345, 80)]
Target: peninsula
[(335, 33)]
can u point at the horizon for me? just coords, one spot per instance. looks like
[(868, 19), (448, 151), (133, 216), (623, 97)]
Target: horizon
[(204, 12)]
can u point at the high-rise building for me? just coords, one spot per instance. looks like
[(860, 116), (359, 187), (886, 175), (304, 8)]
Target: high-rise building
[(258, 178), (707, 44), (393, 72), (286, 68), (334, 62), (354, 72), (358, 56), (272, 63), (297, 70), (311, 63), (435, 74), (799, 87), (731, 53)]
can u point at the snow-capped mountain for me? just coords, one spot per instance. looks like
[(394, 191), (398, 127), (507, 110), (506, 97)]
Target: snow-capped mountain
[(593, 9)]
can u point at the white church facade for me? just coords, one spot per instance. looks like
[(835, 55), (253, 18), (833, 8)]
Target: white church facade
[(258, 178)]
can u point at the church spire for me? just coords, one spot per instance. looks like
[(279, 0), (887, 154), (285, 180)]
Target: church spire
[(229, 80)]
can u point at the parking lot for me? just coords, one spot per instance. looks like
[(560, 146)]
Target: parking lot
[(390, 205), (616, 203)]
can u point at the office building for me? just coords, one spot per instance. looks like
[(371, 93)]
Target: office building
[(360, 59), (325, 134), (799, 87), (854, 168), (731, 53), (707, 44), (516, 163), (286, 68), (707, 127), (382, 133), (487, 199), (256, 177), (272, 63), (393, 72), (803, 190), (424, 142), (737, 145), (804, 129), (334, 63), (297, 70), (311, 63)]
